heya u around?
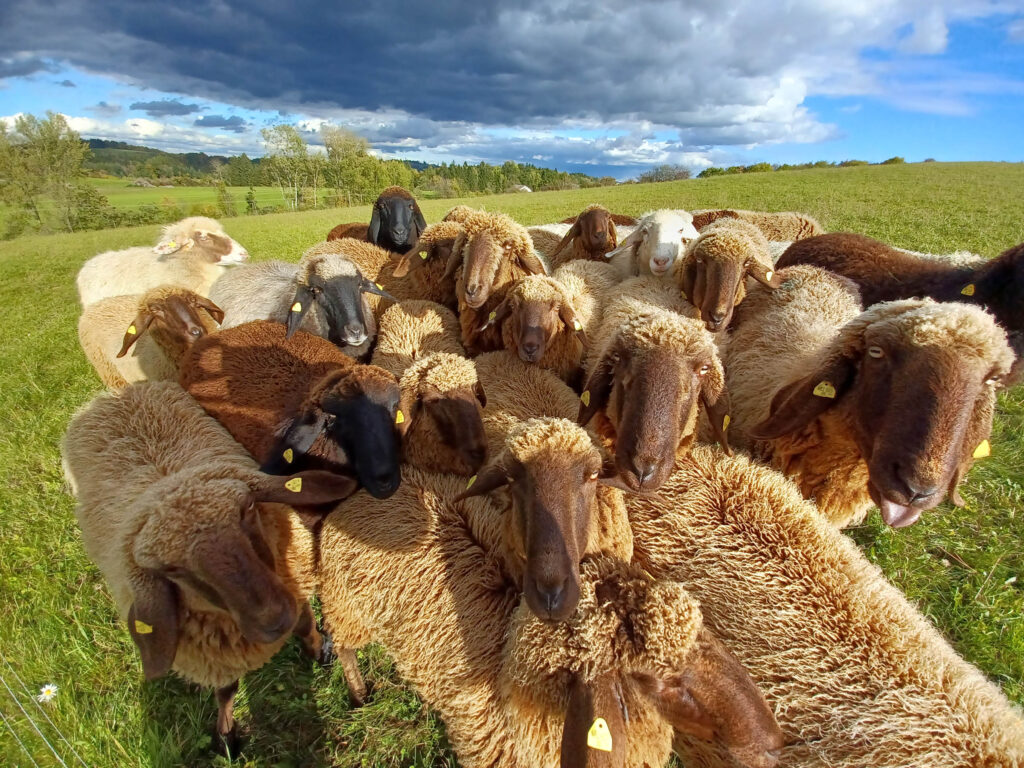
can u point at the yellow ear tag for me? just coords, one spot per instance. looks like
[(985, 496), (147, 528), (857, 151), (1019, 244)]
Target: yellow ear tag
[(577, 325), (379, 286), (982, 450), (294, 485), (769, 275), (399, 417), (296, 307), (585, 397), (968, 290), (599, 737), (288, 455), (423, 255), (490, 317), (142, 628), (825, 389), (470, 483), (725, 422), (131, 329)]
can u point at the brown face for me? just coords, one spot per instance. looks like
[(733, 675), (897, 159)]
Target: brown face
[(219, 248), (483, 257), (714, 287), (458, 418), (920, 411), (533, 326), (596, 230)]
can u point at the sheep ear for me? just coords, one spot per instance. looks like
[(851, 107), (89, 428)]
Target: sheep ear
[(417, 214), (687, 280), (373, 231), (171, 245), (597, 389), (613, 232), (485, 481), (764, 275), (529, 261), (593, 735), (454, 257), (408, 410), (574, 231), (214, 311), (296, 440), (138, 327), (368, 286), (718, 416), (314, 486), (499, 313), (571, 322), (481, 396), (153, 622), (629, 244), (301, 304), (797, 404)]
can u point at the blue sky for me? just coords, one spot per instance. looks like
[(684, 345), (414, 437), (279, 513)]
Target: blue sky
[(596, 86)]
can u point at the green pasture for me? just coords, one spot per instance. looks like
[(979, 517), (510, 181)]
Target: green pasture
[(964, 568)]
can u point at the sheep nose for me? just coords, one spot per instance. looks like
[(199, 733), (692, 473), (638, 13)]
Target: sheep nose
[(917, 489), (530, 348), (552, 595), (645, 470), (354, 334), (472, 290), (660, 262)]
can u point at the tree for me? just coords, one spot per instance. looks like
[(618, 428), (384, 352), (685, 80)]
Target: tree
[(665, 172), (225, 200), (286, 160)]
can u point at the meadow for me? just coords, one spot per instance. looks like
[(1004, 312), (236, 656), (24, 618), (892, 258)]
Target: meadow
[(964, 568)]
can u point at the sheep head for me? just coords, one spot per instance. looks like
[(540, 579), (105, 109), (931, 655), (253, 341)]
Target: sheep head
[(657, 241), (178, 315), (917, 381), (594, 229), (533, 313), (551, 468), (650, 381), (396, 222), (203, 235), (204, 546), (487, 258)]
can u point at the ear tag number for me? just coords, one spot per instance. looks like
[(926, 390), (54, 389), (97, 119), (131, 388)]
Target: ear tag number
[(968, 290), (599, 737), (983, 450), (294, 485), (297, 307), (399, 417), (142, 628), (585, 397), (825, 389), (288, 454)]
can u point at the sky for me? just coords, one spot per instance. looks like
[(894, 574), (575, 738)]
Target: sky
[(606, 88)]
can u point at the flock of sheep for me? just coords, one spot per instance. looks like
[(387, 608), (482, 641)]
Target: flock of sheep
[(550, 546)]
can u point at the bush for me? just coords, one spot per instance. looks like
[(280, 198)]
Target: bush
[(204, 209), (225, 201), (665, 172), (759, 168), (929, 160), (851, 163), (893, 161), (707, 173)]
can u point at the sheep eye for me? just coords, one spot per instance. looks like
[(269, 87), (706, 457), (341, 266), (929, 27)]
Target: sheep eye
[(197, 332), (704, 369), (876, 352), (594, 474), (992, 380)]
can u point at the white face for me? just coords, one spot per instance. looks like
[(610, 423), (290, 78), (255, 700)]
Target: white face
[(666, 237), (236, 255)]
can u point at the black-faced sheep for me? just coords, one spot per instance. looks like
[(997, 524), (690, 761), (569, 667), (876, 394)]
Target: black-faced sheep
[(655, 244), (439, 588), (442, 396), (649, 371), (781, 226), (855, 674), (210, 569), (884, 273), (713, 272), (191, 253), (395, 224), (889, 405), (155, 328), (299, 401)]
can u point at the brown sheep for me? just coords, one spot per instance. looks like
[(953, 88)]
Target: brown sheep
[(592, 235), (299, 401), (425, 266), (156, 327), (887, 406), (395, 224), (884, 273), (782, 226)]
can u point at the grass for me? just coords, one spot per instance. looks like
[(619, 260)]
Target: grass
[(963, 568)]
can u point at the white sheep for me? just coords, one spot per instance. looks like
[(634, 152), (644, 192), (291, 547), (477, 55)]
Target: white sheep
[(191, 253), (655, 244)]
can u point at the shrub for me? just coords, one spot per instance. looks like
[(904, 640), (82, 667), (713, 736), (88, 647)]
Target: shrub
[(714, 170), (893, 161)]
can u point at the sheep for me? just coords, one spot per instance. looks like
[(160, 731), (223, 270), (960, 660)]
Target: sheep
[(297, 401), (546, 238), (884, 273), (156, 327), (191, 253), (784, 225), (493, 252), (889, 405), (591, 235), (425, 266), (855, 674), (655, 244), (439, 586), (714, 269), (395, 224), (546, 320), (325, 294), (208, 567), (442, 397), (649, 370)]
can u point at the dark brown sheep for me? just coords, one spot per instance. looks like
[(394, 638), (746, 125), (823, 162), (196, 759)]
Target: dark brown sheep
[(395, 224), (884, 273), (299, 402), (592, 235)]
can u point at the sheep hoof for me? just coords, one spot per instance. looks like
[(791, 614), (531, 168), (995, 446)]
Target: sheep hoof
[(326, 655), (228, 744)]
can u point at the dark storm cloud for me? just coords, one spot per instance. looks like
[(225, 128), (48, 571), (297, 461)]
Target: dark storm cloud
[(233, 123), (22, 66), (165, 108)]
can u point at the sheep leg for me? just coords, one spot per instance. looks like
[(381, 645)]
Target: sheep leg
[(227, 731), (313, 642), (353, 677)]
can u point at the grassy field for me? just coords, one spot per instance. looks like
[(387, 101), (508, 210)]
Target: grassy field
[(964, 568), (122, 195)]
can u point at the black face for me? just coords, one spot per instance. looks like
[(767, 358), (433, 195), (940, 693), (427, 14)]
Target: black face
[(366, 430), (348, 319), (395, 225)]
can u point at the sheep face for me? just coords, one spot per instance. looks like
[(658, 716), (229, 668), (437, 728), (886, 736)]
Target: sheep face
[(483, 258), (918, 380), (183, 317), (657, 242), (594, 229), (207, 540), (651, 393), (456, 418), (534, 312), (713, 278), (215, 246), (396, 222), (553, 517)]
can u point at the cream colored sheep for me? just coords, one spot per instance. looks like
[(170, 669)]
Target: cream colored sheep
[(785, 225)]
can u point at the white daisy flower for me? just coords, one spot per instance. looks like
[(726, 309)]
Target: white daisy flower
[(47, 693)]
